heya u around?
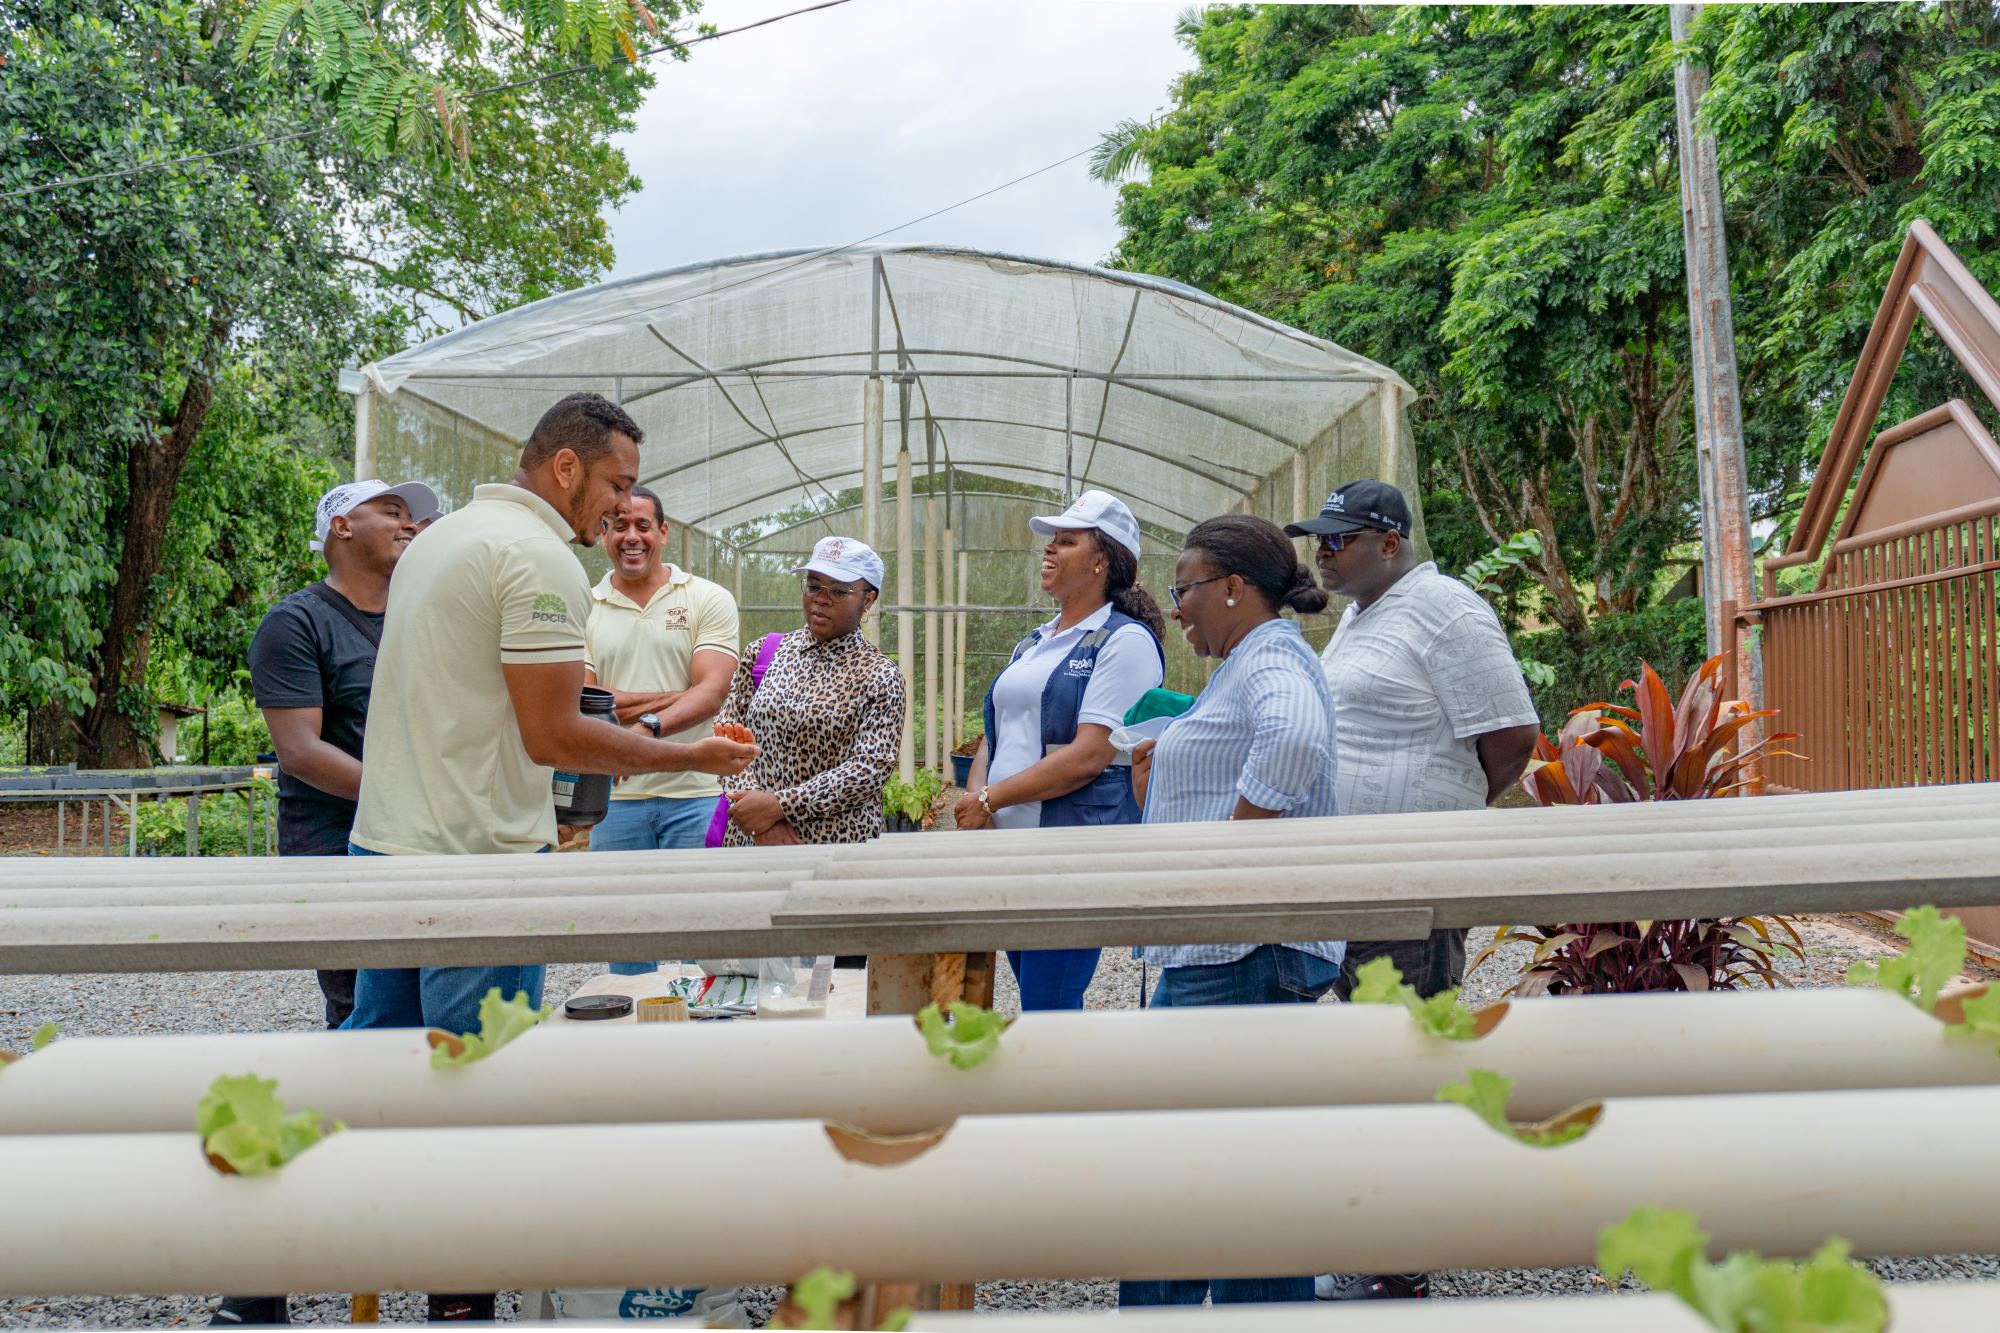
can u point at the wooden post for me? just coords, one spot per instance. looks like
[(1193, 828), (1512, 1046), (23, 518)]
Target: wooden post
[(1718, 406), (958, 655), (1302, 503)]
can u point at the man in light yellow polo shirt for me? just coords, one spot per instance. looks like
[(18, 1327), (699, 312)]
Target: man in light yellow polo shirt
[(477, 683), (663, 641)]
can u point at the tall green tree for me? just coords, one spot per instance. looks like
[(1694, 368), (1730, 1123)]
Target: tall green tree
[(1488, 200), (125, 301)]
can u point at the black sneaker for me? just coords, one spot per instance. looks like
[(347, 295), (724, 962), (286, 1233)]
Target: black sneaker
[(1372, 1287), (252, 1310)]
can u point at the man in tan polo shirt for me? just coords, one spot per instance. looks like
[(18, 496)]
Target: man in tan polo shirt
[(477, 683), (664, 642)]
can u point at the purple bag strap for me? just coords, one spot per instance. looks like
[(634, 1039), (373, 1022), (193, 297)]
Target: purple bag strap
[(718, 824), (765, 652)]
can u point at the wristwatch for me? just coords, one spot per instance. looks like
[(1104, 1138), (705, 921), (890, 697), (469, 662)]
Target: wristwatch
[(982, 802), (651, 722)]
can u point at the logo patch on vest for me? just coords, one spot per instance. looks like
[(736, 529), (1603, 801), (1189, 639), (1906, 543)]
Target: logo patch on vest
[(1080, 666)]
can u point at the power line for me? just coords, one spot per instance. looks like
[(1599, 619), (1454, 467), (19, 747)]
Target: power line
[(296, 135)]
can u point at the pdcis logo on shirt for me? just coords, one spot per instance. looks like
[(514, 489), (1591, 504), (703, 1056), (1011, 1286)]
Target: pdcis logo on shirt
[(551, 608)]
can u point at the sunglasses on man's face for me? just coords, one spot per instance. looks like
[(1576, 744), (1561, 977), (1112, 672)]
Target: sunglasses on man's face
[(1333, 542)]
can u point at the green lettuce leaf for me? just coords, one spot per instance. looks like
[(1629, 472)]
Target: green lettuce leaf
[(500, 1021), (44, 1034), (1744, 1293), (246, 1130), (1935, 954), (1485, 1093), (1378, 981), (817, 1299), (972, 1034)]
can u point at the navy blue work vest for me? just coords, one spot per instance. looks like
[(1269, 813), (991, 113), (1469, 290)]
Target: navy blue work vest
[(1106, 798)]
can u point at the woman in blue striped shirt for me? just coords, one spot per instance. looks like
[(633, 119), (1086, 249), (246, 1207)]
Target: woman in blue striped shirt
[(1258, 744)]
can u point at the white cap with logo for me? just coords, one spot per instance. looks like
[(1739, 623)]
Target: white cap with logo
[(845, 559), (419, 499), (1094, 509)]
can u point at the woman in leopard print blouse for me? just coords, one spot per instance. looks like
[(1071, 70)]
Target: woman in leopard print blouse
[(828, 715)]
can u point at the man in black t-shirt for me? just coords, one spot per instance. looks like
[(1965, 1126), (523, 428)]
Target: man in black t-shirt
[(311, 666)]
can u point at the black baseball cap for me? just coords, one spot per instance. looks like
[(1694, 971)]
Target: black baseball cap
[(1356, 506)]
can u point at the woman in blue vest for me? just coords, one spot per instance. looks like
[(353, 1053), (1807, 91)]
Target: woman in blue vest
[(1047, 761)]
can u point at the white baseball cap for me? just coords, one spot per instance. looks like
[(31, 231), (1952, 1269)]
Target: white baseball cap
[(419, 499), (1094, 509), (845, 559)]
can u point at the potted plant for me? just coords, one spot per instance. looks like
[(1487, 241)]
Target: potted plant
[(1655, 751), (910, 807), (973, 729)]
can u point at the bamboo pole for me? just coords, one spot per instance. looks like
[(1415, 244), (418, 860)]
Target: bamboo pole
[(952, 706), (364, 433), (1350, 1189), (906, 624), (1302, 503), (964, 585), (880, 1076), (871, 488), (931, 632)]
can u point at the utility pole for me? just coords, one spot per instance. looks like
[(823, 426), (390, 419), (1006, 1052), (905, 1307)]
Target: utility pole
[(1728, 577)]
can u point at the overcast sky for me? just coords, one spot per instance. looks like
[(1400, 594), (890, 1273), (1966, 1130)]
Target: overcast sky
[(827, 127)]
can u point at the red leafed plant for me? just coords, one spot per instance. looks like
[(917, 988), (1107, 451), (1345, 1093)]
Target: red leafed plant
[(1655, 751)]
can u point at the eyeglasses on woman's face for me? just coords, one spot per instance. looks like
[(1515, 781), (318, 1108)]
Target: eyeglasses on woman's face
[(826, 592), (1180, 590)]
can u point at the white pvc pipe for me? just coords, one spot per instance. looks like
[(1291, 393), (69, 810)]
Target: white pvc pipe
[(1354, 1189), (385, 883), (1913, 1308), (877, 1074), (1972, 802)]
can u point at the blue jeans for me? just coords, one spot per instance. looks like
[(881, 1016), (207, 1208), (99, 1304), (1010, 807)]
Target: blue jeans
[(1271, 974), (1052, 978), (435, 997), (652, 823)]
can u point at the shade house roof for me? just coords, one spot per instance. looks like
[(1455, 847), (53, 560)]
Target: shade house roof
[(747, 375)]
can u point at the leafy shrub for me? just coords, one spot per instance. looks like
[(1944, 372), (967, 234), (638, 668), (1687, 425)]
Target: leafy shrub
[(224, 823), (1655, 751), (913, 803), (1673, 637)]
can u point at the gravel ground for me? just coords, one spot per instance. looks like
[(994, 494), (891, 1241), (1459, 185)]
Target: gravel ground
[(251, 1001)]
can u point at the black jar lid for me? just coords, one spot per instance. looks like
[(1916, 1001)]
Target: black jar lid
[(590, 1008)]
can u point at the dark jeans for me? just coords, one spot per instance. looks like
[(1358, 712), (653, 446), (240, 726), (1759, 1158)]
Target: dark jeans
[(1433, 964), (1271, 974), (338, 988), (1052, 978)]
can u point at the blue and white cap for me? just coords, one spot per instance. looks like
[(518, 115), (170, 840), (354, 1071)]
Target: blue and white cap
[(845, 559), (1094, 509)]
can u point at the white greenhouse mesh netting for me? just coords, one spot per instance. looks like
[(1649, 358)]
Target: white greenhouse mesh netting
[(1013, 383)]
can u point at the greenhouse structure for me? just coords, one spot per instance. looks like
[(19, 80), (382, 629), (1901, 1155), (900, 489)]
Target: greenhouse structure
[(793, 395)]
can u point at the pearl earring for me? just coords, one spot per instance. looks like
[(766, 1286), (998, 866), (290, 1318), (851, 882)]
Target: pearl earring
[(1229, 601), (1097, 569)]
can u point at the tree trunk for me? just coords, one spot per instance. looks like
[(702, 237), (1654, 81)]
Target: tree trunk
[(111, 737)]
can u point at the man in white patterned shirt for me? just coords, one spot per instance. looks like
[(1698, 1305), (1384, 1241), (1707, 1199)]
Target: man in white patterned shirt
[(1430, 712)]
